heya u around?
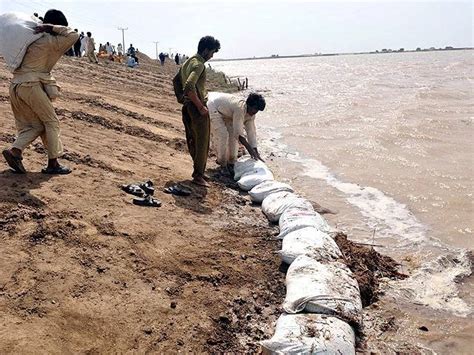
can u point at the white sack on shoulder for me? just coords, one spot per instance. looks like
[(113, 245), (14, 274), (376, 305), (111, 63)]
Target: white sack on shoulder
[(310, 242), (328, 288), (276, 203), (247, 165), (296, 218), (17, 33), (310, 334), (261, 191), (250, 180)]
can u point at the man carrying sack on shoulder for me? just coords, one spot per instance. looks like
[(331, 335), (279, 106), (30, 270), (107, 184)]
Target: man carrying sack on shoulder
[(190, 89), (33, 88)]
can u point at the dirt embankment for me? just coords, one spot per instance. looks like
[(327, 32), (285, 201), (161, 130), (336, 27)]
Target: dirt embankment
[(82, 269)]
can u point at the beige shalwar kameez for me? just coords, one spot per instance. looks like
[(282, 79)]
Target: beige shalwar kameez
[(33, 87)]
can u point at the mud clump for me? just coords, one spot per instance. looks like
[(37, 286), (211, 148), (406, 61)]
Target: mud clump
[(368, 266)]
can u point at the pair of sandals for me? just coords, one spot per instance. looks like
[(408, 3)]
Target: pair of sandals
[(16, 163), (144, 192)]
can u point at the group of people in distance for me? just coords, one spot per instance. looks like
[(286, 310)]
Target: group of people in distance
[(33, 89)]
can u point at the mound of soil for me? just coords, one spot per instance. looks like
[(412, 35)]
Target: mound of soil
[(368, 267)]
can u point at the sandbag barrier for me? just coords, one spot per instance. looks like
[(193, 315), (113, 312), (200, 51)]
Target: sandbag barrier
[(323, 298)]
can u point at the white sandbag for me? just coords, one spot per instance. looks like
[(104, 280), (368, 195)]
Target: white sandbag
[(247, 165), (328, 288), (276, 203), (310, 334), (293, 219), (310, 242), (17, 33), (250, 180), (259, 192)]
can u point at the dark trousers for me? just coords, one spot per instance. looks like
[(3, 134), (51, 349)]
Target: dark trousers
[(77, 50), (197, 136)]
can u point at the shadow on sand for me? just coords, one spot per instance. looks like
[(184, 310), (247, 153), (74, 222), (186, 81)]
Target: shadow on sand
[(17, 188), (194, 202)]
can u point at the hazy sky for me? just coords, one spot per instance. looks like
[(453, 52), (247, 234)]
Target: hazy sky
[(261, 27)]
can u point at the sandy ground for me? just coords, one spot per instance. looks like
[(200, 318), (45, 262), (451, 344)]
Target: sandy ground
[(83, 270)]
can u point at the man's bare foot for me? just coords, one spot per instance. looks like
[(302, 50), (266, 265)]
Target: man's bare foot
[(199, 180)]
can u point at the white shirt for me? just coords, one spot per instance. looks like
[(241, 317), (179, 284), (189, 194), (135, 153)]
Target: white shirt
[(233, 108), (83, 43)]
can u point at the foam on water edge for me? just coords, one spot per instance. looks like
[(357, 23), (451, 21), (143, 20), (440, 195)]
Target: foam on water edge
[(435, 284)]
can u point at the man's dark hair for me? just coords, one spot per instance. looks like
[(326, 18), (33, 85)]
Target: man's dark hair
[(210, 43), (256, 101), (55, 17), (88, 34)]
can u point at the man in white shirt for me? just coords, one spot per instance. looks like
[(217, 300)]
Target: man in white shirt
[(230, 115), (109, 49)]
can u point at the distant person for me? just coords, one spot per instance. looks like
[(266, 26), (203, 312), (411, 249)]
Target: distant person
[(109, 49), (162, 58), (119, 49), (83, 44), (77, 45), (33, 88), (131, 50), (176, 59), (229, 116), (131, 62), (195, 113), (90, 49)]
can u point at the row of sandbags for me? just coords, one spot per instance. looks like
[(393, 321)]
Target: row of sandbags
[(322, 295)]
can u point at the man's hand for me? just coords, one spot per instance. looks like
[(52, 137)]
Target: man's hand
[(255, 154), (43, 28)]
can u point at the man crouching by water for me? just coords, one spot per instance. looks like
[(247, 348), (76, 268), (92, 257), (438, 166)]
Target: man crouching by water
[(229, 116), (195, 113), (32, 90)]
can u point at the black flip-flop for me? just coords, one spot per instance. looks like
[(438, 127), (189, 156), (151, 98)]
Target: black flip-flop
[(139, 189), (134, 190), (147, 186), (57, 170), (178, 190), (14, 162), (147, 201)]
